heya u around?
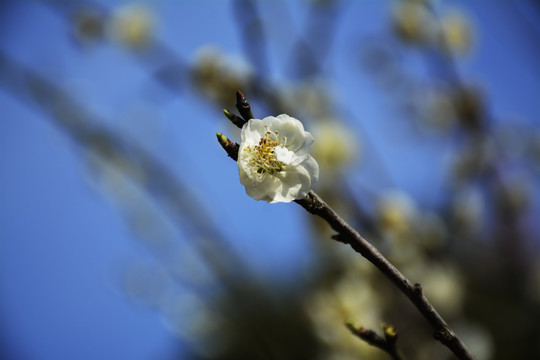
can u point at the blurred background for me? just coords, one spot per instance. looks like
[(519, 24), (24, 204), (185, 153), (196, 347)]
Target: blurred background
[(124, 230)]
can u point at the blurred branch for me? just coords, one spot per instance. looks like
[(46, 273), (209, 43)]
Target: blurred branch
[(386, 343), (254, 41), (346, 234), (169, 68), (313, 45), (79, 124)]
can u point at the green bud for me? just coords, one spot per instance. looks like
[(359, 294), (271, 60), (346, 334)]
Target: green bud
[(390, 333)]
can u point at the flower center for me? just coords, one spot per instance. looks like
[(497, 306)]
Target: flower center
[(263, 156)]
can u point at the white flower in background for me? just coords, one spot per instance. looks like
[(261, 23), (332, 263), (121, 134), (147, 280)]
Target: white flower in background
[(414, 23), (133, 26), (274, 161), (336, 146), (218, 74), (457, 31), (396, 212)]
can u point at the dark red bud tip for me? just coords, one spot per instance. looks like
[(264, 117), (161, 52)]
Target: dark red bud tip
[(243, 106)]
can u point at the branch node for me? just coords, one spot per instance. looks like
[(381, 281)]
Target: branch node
[(443, 335), (340, 238), (311, 203)]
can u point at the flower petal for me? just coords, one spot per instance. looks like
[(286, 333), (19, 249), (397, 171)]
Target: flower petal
[(285, 155), (252, 131), (291, 130), (295, 184), (312, 167), (265, 189)]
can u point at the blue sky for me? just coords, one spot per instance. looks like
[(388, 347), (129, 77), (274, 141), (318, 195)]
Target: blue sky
[(61, 236)]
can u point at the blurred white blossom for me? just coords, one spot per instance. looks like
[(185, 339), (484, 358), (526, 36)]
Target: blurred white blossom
[(457, 32), (468, 211), (396, 212), (336, 145), (217, 74), (414, 23), (349, 299), (444, 287), (133, 26)]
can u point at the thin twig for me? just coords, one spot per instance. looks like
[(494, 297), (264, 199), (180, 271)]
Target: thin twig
[(250, 26), (386, 343), (442, 331)]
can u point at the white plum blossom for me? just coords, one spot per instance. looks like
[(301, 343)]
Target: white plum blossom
[(274, 161)]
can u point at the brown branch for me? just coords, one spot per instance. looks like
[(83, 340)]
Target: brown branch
[(386, 343), (442, 331)]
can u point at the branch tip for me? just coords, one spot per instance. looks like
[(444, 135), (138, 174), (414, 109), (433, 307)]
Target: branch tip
[(390, 333), (230, 147), (386, 344), (243, 106), (222, 139), (235, 119)]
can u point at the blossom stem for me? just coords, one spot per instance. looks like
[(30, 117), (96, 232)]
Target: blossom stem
[(441, 330)]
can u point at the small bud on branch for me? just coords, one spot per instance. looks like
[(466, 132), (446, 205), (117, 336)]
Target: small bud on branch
[(235, 119), (390, 333), (230, 147), (386, 344), (243, 106)]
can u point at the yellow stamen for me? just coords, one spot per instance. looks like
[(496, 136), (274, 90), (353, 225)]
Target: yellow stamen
[(263, 156)]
